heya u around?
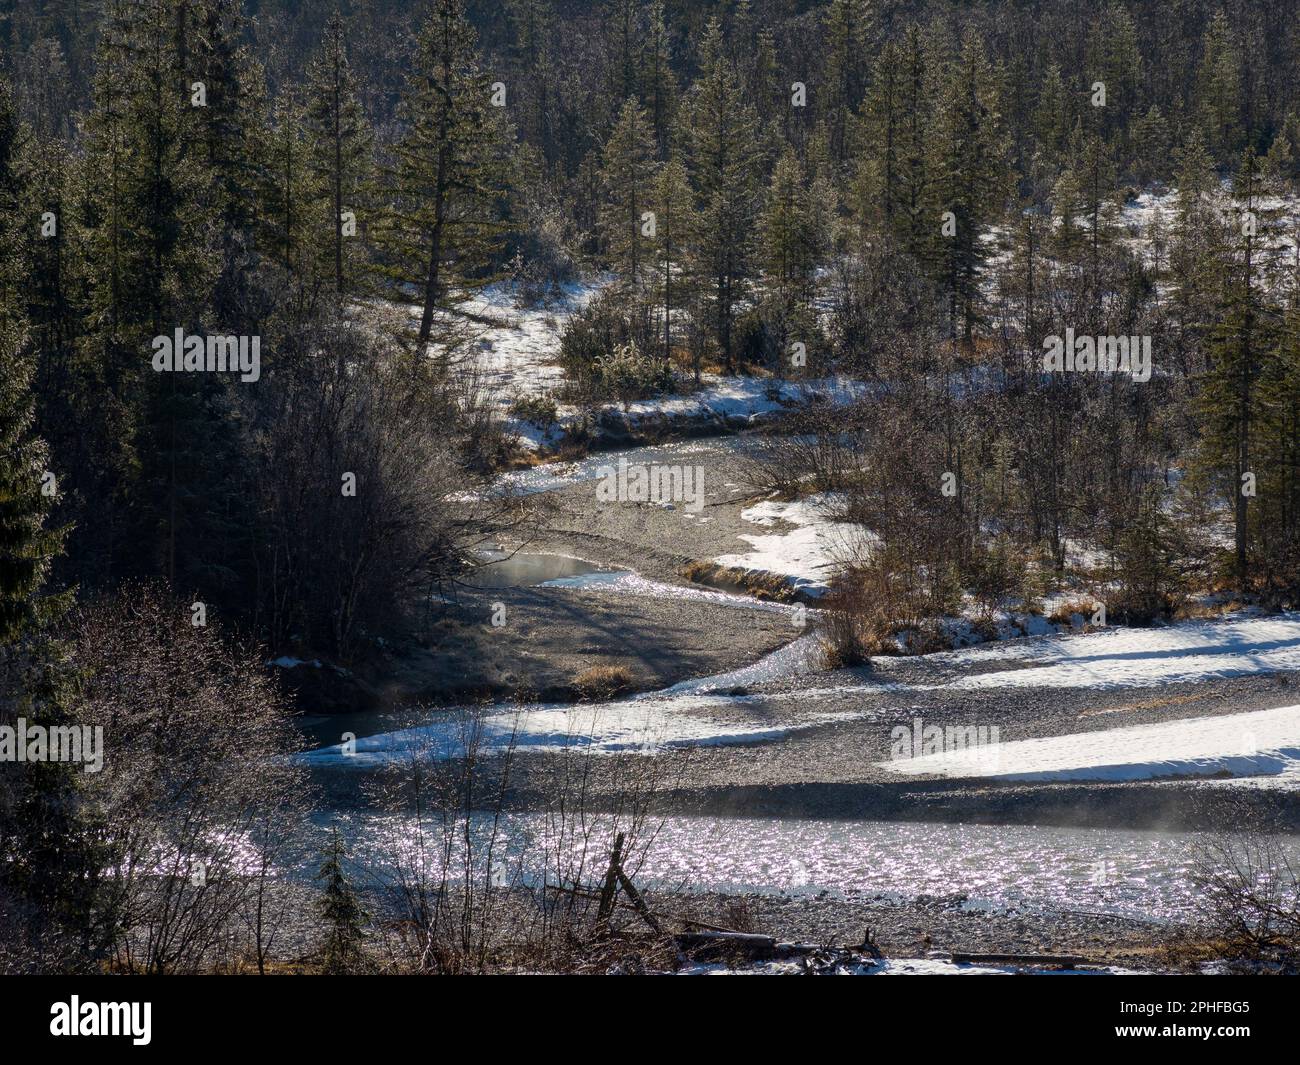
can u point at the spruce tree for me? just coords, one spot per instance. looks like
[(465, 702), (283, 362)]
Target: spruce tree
[(658, 82), (26, 493), (845, 34), (627, 171), (671, 200), (791, 244), (341, 144), (44, 853), (453, 167), (1229, 400), (723, 153), (341, 912), (970, 180)]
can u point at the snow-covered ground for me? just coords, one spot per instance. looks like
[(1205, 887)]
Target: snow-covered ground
[(732, 399), (1259, 743), (1138, 658), (699, 712), (812, 547), (625, 582), (517, 348), (516, 352)]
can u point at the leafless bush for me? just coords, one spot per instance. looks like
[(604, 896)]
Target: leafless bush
[(1248, 884), (467, 885), (818, 450), (194, 802), (367, 486)]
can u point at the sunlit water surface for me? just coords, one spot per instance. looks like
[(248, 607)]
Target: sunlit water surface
[(1144, 875)]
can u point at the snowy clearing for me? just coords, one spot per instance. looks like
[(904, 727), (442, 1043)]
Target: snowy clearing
[(1136, 658), (1260, 743)]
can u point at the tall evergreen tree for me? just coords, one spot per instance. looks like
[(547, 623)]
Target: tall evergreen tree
[(845, 33), (671, 200), (971, 180), (627, 170), (341, 143), (721, 138), (1247, 329), (453, 167)]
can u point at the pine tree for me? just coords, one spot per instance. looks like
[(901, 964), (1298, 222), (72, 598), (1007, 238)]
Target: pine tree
[(531, 23), (658, 82), (1151, 143), (1113, 58), (152, 256), (722, 148), (914, 176), (1219, 90), (340, 149), (625, 37), (1088, 207), (1054, 115), (1246, 330), (792, 242), (971, 181), (1196, 251), (845, 34), (26, 548), (671, 200), (289, 196), (878, 142), (453, 167), (341, 911), (231, 119), (627, 170), (44, 854)]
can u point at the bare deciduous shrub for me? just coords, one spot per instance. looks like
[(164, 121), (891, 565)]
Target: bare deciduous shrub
[(369, 464), (464, 883), (1248, 884), (194, 797)]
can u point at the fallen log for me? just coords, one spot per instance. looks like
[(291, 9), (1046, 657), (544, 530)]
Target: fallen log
[(713, 946), (1067, 961)]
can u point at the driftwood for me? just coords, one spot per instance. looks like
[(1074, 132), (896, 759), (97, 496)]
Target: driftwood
[(607, 894), (590, 893), (638, 903), (1068, 961), (712, 946)]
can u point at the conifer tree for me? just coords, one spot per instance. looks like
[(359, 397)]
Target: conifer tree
[(658, 82), (672, 202), (970, 180), (1218, 99), (341, 912), (792, 241), (845, 34), (26, 548), (1246, 330), (453, 166), (44, 853), (723, 152), (340, 149), (627, 171)]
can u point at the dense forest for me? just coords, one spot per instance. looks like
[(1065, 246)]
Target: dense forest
[(300, 196)]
